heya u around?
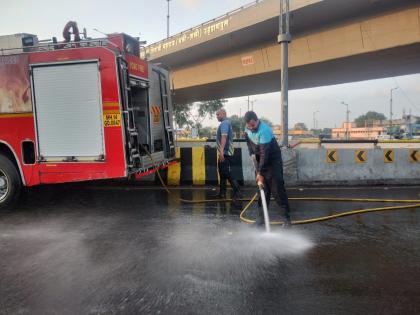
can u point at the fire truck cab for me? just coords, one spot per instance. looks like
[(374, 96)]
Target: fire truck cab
[(80, 110)]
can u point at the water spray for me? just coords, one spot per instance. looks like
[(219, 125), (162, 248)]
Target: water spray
[(262, 196)]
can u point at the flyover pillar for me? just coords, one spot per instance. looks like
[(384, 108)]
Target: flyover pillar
[(284, 39)]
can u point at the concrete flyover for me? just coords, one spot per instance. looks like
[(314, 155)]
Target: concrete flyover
[(334, 41)]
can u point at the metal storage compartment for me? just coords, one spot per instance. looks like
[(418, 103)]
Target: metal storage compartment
[(68, 111)]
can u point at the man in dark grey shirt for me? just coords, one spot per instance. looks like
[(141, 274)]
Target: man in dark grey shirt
[(226, 150)]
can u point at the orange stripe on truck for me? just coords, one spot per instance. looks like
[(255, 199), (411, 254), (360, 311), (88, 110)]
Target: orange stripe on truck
[(111, 104), (17, 115)]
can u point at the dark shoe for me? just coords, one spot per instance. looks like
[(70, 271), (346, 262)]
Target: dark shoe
[(236, 196), (287, 224)]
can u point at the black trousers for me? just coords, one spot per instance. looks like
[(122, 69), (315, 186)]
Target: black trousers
[(274, 184), (226, 175)]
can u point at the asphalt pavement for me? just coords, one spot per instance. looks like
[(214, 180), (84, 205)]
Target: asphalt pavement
[(106, 248)]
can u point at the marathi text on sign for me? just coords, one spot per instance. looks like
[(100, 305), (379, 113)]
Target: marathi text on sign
[(188, 36)]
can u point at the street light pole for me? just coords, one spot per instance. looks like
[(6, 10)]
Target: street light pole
[(347, 119), (252, 103), (284, 39), (167, 21), (314, 113), (390, 113)]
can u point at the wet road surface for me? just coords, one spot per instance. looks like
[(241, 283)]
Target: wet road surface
[(114, 249)]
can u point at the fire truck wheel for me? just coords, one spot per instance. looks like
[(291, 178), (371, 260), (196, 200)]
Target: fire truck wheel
[(10, 183)]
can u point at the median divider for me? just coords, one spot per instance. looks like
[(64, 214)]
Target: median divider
[(198, 166), (326, 164)]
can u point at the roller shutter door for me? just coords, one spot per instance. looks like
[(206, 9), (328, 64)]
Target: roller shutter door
[(68, 110)]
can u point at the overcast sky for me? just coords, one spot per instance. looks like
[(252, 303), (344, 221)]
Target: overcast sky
[(147, 18)]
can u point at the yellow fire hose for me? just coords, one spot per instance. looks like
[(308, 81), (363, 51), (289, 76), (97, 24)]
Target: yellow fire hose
[(324, 218), (415, 203)]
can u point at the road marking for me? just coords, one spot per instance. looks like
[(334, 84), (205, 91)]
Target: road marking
[(360, 156), (332, 156), (388, 156), (414, 156)]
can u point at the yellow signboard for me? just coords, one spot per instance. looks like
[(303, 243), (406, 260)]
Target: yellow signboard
[(360, 156), (156, 114), (388, 156), (332, 156), (112, 120), (414, 156)]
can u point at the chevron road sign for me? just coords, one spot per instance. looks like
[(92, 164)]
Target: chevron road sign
[(388, 156), (360, 156), (332, 156), (414, 156)]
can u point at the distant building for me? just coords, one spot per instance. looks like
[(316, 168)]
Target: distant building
[(375, 129), (183, 133), (293, 133), (353, 132)]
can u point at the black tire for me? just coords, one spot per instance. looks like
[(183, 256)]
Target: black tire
[(10, 183)]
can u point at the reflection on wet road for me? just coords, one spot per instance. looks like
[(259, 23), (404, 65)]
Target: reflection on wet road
[(87, 249)]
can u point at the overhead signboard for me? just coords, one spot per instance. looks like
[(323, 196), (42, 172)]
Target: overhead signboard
[(247, 60)]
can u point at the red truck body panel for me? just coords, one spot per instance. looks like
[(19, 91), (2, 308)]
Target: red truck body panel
[(18, 124)]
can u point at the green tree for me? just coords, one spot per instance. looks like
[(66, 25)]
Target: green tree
[(237, 125), (192, 115), (182, 114), (370, 116), (326, 131), (209, 108), (205, 132), (200, 111), (316, 132)]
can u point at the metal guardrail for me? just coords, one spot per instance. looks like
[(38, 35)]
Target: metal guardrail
[(97, 42), (211, 140), (234, 140), (400, 141), (348, 141), (314, 141), (246, 6)]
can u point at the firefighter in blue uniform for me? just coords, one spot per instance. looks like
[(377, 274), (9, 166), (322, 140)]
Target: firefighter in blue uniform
[(263, 145)]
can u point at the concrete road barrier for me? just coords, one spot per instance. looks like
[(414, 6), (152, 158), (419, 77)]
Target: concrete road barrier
[(317, 164), (198, 166)]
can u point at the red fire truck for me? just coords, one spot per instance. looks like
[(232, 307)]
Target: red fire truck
[(80, 110)]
